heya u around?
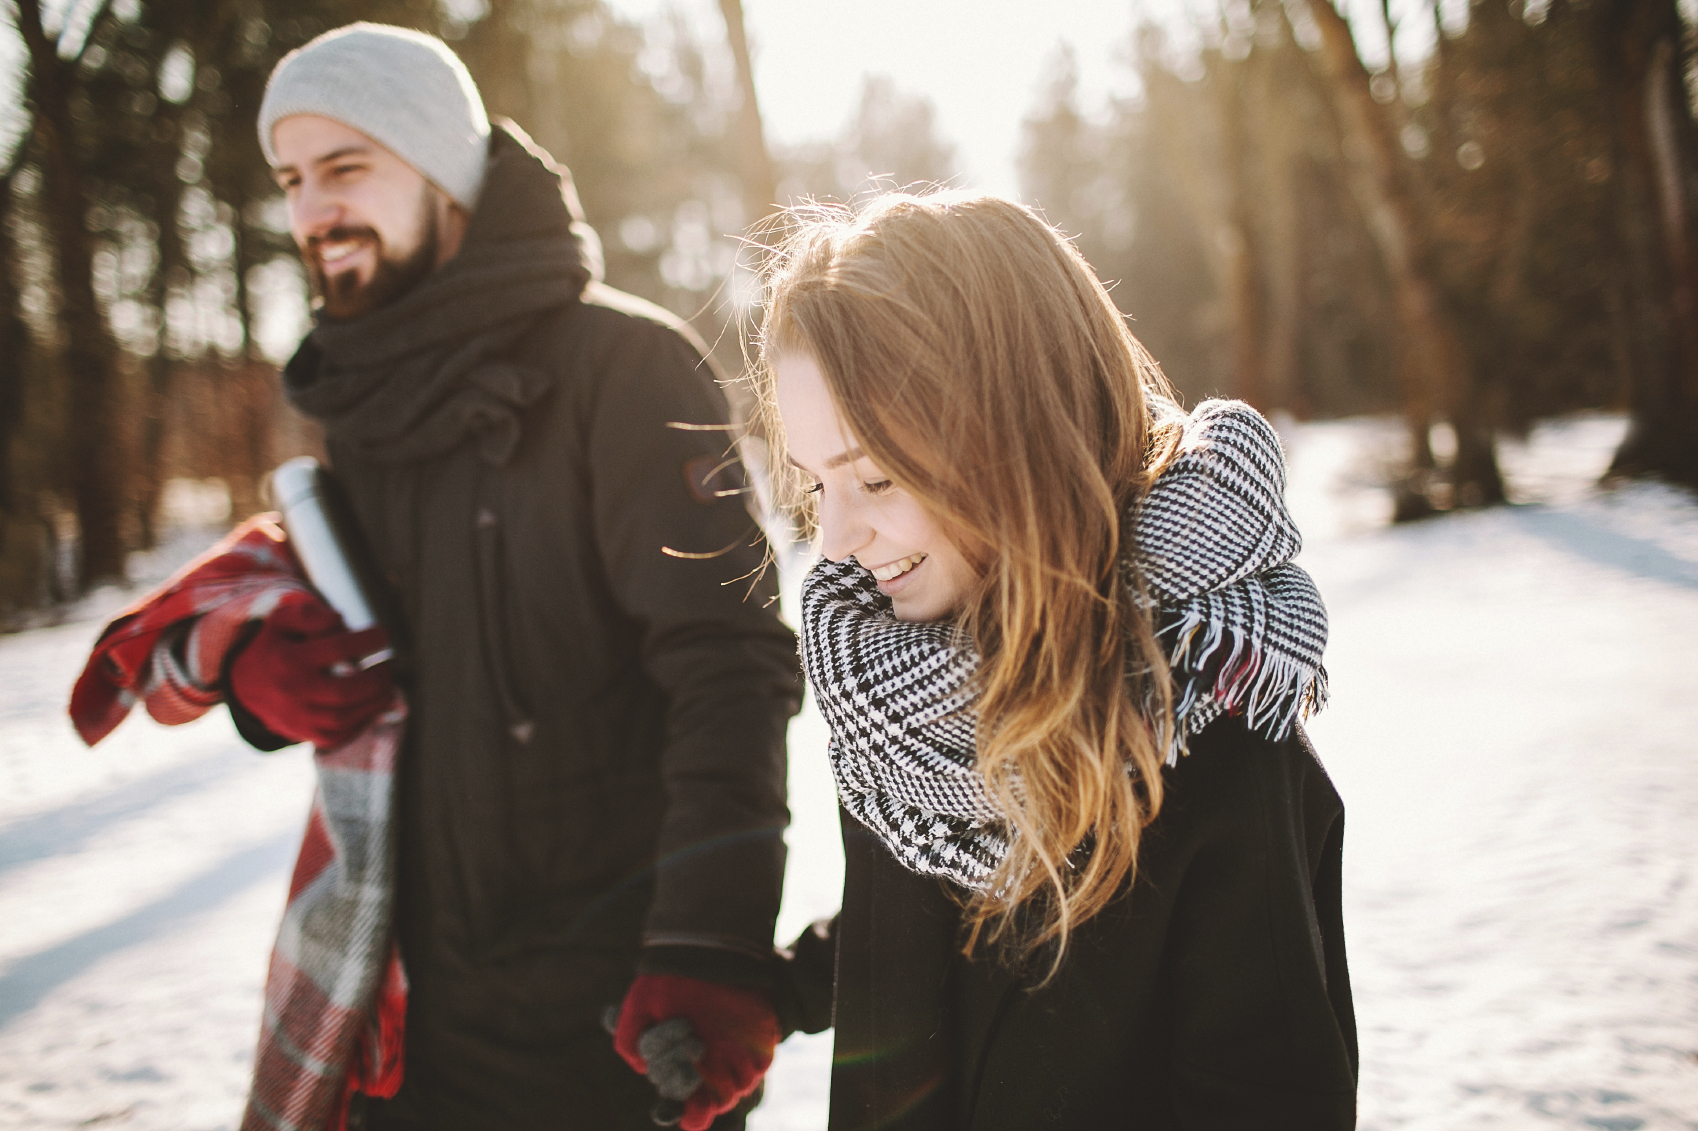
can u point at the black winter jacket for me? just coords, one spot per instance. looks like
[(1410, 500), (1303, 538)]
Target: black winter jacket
[(594, 760), (1215, 996)]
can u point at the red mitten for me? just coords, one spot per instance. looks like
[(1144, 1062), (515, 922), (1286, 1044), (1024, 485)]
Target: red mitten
[(284, 676), (736, 1025)]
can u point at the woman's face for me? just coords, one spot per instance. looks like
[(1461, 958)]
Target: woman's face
[(862, 514)]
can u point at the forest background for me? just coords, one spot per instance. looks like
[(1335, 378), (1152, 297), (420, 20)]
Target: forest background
[(1498, 232)]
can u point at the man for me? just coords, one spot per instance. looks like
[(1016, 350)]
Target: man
[(591, 795)]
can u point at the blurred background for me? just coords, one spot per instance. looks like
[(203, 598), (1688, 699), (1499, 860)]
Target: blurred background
[(1473, 215), (1446, 245)]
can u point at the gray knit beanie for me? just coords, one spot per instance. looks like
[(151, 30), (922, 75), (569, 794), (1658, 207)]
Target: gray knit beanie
[(403, 89)]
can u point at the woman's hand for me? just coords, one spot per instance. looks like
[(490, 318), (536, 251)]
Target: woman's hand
[(737, 1029)]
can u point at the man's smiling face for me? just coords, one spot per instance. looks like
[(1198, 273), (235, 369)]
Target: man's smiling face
[(368, 224)]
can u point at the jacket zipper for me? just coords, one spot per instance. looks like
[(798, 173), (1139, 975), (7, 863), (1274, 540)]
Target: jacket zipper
[(487, 528)]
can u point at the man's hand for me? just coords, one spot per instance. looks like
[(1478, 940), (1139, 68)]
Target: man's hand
[(736, 1027), (299, 675)]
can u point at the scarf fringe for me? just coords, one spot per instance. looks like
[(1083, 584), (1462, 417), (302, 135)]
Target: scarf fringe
[(1271, 693)]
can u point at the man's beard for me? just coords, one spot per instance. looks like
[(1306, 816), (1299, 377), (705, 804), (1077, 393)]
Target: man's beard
[(342, 296)]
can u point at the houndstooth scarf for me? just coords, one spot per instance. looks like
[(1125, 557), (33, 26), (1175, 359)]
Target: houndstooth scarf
[(1213, 543)]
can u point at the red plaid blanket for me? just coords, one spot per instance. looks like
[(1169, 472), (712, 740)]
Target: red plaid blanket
[(336, 995)]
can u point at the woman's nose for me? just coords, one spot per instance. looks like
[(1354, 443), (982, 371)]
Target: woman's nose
[(843, 530)]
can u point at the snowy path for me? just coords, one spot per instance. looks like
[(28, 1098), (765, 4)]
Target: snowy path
[(1514, 728), (140, 886)]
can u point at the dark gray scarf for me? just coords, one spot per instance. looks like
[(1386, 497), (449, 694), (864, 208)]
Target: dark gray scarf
[(1213, 543)]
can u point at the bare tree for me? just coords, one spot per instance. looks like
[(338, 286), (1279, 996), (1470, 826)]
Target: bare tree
[(1641, 44), (88, 354), (760, 181), (1429, 331)]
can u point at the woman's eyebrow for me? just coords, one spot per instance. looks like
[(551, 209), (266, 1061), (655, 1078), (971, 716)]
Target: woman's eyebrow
[(835, 461)]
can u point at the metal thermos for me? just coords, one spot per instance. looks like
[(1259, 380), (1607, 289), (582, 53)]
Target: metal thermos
[(301, 492)]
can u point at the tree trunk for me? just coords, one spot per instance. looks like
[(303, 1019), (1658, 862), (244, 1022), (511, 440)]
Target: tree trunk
[(1657, 161), (1245, 295), (1281, 134), (150, 462), (1412, 494), (23, 560), (1427, 327), (760, 182), (160, 369), (248, 393), (261, 391), (88, 355)]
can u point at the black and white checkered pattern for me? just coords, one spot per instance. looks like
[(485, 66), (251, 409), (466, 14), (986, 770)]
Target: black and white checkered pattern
[(1213, 543)]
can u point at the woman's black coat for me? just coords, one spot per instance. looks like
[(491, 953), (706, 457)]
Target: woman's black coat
[(1215, 996)]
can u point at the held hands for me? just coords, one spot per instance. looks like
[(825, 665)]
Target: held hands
[(301, 677), (730, 1037)]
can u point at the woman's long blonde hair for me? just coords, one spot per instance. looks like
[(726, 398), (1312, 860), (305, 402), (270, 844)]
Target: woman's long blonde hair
[(977, 359)]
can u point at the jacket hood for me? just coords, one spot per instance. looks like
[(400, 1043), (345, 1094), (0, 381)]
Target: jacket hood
[(527, 195)]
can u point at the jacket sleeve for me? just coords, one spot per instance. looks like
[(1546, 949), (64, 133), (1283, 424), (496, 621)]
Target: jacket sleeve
[(1264, 1029), (711, 639)]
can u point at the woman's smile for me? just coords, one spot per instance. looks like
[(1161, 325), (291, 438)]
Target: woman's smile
[(891, 571)]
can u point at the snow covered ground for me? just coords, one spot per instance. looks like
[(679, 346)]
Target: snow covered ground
[(1514, 729)]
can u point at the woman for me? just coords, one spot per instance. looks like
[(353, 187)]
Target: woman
[(1092, 863)]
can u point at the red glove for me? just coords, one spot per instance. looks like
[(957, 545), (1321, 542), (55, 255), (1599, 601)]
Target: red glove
[(737, 1026), (283, 676)]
